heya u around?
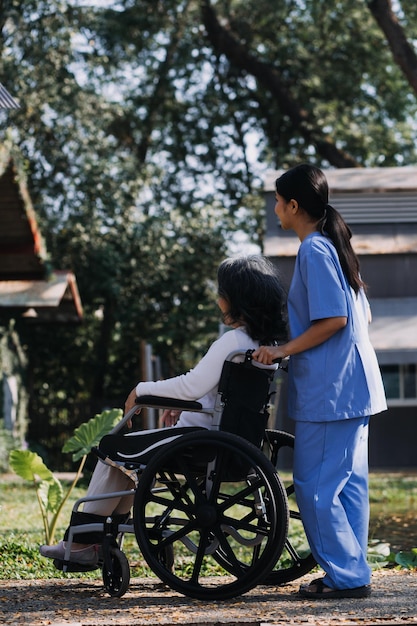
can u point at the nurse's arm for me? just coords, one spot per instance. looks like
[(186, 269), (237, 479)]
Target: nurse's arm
[(319, 332)]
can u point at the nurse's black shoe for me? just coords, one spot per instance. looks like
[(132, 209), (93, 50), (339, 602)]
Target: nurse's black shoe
[(318, 590)]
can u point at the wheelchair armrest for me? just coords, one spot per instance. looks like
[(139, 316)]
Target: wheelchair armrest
[(160, 402)]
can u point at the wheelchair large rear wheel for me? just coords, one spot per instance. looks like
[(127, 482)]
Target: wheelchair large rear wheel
[(296, 558), (214, 503)]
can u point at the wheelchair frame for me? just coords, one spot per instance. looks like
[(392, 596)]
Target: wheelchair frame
[(197, 500)]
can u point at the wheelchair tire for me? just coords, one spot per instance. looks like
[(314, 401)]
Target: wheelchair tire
[(116, 579), (215, 502), (296, 559)]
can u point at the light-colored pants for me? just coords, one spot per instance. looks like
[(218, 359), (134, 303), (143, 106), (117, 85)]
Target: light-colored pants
[(106, 479), (331, 487)]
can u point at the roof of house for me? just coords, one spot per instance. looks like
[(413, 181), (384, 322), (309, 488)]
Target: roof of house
[(358, 179), (25, 271), (22, 250), (379, 204), (53, 300)]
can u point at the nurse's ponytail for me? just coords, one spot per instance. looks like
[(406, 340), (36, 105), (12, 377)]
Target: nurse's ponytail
[(307, 185)]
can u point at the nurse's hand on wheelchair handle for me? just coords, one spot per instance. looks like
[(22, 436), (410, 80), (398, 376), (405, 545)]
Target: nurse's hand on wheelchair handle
[(269, 354)]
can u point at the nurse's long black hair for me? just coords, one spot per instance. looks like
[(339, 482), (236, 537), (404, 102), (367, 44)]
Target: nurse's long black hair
[(307, 185), (253, 290)]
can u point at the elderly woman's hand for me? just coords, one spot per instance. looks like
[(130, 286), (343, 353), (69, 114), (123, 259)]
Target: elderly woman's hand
[(169, 417), (129, 404)]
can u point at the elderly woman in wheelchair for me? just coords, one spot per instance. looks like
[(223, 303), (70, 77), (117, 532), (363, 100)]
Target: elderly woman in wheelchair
[(203, 482)]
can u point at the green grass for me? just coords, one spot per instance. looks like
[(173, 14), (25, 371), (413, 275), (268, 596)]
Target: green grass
[(21, 534), (393, 498), (393, 505), (394, 489)]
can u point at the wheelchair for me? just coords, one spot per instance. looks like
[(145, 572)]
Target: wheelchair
[(211, 515)]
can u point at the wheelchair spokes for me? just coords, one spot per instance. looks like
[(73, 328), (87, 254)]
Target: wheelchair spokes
[(217, 520)]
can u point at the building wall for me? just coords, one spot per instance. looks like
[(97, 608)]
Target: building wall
[(390, 275), (393, 439), (392, 435), (386, 275)]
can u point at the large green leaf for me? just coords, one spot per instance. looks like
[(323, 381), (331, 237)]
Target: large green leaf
[(51, 494), (29, 465), (407, 559), (89, 434), (378, 554)]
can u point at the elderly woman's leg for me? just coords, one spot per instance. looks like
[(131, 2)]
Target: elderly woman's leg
[(105, 479)]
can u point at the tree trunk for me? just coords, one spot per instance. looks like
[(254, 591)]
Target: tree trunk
[(224, 42), (402, 51)]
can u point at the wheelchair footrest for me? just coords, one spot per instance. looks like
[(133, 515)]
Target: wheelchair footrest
[(75, 567)]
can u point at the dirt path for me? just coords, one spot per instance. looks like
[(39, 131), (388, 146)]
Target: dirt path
[(85, 603)]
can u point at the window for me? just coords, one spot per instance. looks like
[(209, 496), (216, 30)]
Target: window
[(400, 383)]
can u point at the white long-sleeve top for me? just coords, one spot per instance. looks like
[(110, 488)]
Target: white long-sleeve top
[(201, 382)]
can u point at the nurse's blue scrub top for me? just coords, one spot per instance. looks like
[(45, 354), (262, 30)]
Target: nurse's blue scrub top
[(339, 379)]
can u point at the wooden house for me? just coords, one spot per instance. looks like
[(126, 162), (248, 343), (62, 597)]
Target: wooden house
[(30, 290)]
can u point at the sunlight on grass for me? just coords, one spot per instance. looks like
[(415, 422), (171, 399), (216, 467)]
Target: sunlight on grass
[(393, 499)]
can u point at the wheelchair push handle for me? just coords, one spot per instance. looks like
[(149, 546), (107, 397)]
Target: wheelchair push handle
[(248, 357)]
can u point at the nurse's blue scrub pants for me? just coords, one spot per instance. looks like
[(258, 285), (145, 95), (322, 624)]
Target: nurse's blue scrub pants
[(331, 486)]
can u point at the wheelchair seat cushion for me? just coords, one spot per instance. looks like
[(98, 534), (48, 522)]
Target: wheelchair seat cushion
[(139, 447)]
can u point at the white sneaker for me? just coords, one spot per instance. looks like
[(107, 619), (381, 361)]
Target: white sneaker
[(84, 556)]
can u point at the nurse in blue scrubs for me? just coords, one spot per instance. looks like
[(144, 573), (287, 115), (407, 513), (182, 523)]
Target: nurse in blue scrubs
[(335, 384)]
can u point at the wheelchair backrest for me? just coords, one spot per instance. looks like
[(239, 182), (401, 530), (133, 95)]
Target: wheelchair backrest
[(245, 393)]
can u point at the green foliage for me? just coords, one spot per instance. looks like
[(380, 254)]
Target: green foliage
[(21, 560), (7, 443), (89, 434), (30, 466), (20, 536), (50, 494), (408, 560), (142, 141), (378, 554)]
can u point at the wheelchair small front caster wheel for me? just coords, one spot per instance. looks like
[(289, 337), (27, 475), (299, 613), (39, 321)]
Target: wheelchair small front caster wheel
[(116, 575)]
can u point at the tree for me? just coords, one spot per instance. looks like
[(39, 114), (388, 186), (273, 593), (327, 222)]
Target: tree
[(326, 84), (144, 125)]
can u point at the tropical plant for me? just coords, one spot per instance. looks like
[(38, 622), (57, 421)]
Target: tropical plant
[(49, 491), (407, 559)]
